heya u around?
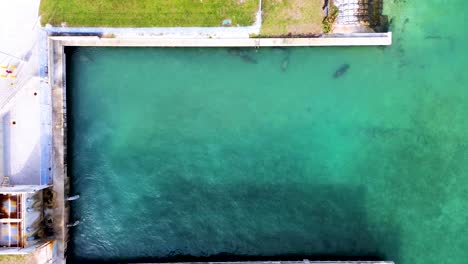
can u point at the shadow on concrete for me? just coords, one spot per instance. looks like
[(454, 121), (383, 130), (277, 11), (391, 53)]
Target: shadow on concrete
[(371, 12), (6, 144), (378, 21), (365, 13)]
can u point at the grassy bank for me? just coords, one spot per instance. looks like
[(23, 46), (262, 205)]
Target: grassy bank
[(147, 13), (292, 17)]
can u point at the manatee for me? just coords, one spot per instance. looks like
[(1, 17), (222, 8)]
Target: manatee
[(279, 48), (433, 37), (247, 58), (284, 64), (341, 70), (243, 54), (234, 51)]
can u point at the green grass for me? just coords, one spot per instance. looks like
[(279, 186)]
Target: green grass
[(147, 13), (292, 17)]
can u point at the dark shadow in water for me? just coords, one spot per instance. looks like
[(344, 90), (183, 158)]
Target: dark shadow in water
[(245, 54), (72, 135), (68, 139), (322, 222)]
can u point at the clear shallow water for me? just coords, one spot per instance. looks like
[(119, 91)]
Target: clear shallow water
[(184, 153)]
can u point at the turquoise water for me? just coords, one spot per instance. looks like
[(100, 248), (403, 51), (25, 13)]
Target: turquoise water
[(202, 154)]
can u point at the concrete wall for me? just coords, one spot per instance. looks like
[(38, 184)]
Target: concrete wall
[(4, 121), (293, 262), (365, 39), (56, 62)]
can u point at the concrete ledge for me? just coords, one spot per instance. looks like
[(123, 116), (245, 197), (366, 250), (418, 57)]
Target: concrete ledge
[(289, 262), (56, 61), (381, 39)]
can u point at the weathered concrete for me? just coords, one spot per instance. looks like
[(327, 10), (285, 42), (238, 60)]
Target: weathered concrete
[(45, 98), (42, 252), (305, 261), (59, 168), (377, 39)]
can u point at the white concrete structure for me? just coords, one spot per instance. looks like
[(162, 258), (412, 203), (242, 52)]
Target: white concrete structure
[(20, 110), (364, 39), (21, 99), (21, 125), (21, 216), (305, 261)]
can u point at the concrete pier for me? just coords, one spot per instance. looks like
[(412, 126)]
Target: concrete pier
[(290, 262), (361, 39), (59, 169)]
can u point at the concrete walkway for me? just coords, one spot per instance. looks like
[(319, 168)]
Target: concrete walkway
[(358, 39), (20, 98), (22, 136), (166, 32)]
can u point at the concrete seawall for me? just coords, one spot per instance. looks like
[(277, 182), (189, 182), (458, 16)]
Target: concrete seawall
[(290, 262), (57, 81), (56, 60), (376, 39)]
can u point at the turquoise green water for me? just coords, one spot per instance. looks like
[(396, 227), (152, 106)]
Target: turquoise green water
[(185, 153)]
